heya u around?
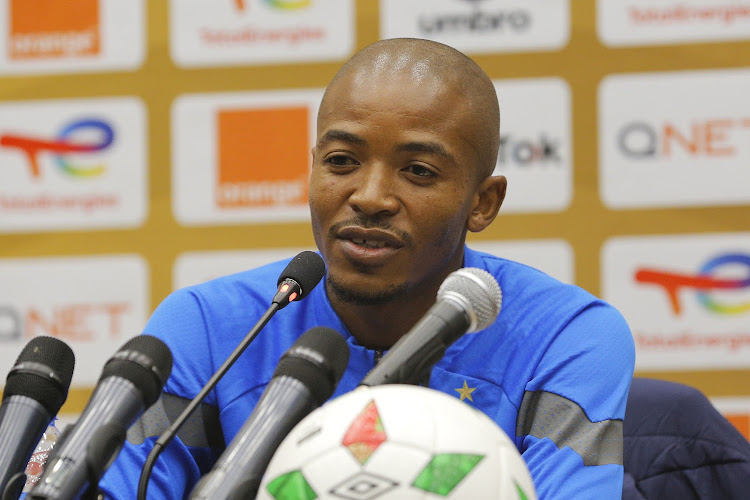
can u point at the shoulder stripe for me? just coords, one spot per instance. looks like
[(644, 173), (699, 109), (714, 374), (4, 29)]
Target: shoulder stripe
[(547, 415), (201, 430)]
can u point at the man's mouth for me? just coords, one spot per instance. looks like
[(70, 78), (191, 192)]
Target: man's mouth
[(369, 243)]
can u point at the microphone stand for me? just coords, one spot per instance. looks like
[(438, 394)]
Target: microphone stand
[(171, 432)]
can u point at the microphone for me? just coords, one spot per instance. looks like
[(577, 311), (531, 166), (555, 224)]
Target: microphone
[(35, 389), (305, 377), (468, 300), (131, 381), (297, 279), (300, 276)]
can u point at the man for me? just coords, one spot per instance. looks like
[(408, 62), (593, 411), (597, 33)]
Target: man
[(408, 135)]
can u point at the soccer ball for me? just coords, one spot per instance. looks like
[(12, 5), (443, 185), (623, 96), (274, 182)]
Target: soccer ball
[(396, 442)]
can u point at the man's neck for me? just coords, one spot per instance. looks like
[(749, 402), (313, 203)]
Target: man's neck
[(380, 326)]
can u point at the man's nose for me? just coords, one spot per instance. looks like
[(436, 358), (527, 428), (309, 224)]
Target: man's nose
[(375, 193)]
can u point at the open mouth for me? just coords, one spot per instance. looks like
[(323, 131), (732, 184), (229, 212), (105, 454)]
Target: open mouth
[(369, 243)]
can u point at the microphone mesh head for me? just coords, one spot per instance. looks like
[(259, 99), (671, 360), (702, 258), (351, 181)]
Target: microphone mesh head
[(478, 291), (144, 360), (49, 379), (318, 359), (307, 269)]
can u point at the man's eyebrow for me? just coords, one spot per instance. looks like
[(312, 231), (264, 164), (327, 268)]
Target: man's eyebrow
[(425, 147), (341, 135)]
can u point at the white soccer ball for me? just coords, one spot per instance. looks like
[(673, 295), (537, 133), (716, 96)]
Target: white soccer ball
[(396, 442)]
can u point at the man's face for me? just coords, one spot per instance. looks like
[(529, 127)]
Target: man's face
[(393, 182)]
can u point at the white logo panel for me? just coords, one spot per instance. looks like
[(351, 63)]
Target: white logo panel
[(480, 26), (92, 303), (552, 256), (674, 139), (192, 268), (232, 32), (536, 153), (99, 35), (646, 22), (72, 164), (736, 410), (198, 153), (686, 298)]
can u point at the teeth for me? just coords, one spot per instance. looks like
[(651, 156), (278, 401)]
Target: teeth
[(367, 243)]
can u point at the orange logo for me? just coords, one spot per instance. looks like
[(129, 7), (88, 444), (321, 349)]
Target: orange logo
[(263, 157), (741, 422), (49, 29)]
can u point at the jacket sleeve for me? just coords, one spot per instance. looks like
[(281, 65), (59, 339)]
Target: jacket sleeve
[(179, 322), (569, 424)]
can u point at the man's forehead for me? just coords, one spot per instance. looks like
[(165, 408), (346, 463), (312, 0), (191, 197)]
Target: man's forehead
[(387, 90)]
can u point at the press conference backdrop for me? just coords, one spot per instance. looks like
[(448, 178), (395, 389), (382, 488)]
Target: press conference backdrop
[(146, 146)]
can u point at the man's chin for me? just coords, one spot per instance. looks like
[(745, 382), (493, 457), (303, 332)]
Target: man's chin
[(365, 297)]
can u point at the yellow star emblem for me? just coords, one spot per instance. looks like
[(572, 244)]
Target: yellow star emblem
[(465, 392)]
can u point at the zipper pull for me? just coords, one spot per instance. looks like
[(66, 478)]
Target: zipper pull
[(378, 356)]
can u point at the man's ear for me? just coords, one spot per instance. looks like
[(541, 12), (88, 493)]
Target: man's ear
[(487, 200)]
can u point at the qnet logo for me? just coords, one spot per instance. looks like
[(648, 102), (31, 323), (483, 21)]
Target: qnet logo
[(685, 297), (108, 305), (688, 133)]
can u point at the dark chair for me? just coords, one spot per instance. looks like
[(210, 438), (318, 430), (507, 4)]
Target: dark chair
[(676, 445)]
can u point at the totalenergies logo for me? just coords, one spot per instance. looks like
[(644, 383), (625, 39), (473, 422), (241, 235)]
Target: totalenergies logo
[(288, 4), (242, 5), (64, 145), (703, 282)]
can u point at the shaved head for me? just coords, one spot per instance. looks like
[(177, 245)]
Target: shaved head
[(431, 67)]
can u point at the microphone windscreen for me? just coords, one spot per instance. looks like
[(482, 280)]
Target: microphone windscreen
[(42, 372), (145, 361), (307, 269), (477, 289), (318, 359)]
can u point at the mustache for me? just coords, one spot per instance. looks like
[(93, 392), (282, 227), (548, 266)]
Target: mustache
[(371, 223)]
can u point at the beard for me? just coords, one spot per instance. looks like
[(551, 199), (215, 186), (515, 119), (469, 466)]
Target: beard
[(365, 298)]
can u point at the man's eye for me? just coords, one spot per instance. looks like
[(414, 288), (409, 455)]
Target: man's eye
[(420, 171), (340, 160)]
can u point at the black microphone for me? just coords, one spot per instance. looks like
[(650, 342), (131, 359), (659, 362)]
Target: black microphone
[(468, 300), (306, 376), (35, 389), (297, 279), (131, 381)]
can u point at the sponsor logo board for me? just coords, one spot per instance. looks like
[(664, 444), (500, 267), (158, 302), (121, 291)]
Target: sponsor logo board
[(480, 26), (236, 32), (191, 268), (686, 298), (736, 410), (242, 157), (535, 151), (49, 36), (92, 303), (552, 256), (623, 23), (72, 164), (674, 139)]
